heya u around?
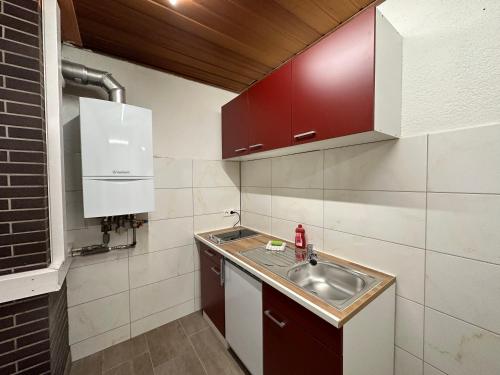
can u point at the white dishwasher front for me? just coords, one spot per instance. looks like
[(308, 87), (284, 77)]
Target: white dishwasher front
[(244, 317)]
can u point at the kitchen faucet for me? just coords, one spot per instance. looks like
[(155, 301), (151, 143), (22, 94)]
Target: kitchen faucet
[(311, 255)]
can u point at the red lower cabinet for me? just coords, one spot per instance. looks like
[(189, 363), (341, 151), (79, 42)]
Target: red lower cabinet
[(212, 287), (296, 341)]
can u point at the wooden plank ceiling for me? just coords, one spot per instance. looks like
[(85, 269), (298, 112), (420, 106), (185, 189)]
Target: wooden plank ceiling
[(226, 43)]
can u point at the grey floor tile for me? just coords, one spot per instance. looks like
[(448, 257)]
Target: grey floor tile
[(139, 345), (193, 323), (166, 342), (213, 355), (186, 363), (142, 364), (88, 365), (123, 369), (116, 354)]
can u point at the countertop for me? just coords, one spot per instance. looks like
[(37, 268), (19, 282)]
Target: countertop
[(232, 251)]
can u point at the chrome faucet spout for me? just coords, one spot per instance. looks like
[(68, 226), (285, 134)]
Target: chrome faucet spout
[(311, 255)]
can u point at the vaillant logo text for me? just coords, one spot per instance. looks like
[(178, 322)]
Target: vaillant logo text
[(120, 172)]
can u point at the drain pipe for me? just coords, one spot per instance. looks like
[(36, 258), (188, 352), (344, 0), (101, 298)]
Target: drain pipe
[(88, 76)]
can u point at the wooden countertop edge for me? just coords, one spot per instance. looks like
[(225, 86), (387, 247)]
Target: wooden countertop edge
[(314, 304)]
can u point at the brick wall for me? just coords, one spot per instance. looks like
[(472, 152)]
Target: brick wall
[(34, 335), (33, 331), (24, 240)]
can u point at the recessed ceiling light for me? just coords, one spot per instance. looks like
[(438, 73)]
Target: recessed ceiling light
[(173, 2)]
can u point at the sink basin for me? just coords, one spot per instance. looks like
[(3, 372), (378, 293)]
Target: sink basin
[(337, 285)]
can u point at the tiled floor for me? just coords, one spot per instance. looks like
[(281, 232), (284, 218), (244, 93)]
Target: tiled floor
[(186, 346)]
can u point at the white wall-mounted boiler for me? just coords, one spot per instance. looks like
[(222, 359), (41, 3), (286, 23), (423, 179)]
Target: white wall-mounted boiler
[(117, 158)]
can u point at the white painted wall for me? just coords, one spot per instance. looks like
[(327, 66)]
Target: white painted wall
[(114, 296), (451, 74)]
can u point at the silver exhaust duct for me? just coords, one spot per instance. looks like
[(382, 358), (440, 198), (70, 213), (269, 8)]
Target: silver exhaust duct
[(89, 76)]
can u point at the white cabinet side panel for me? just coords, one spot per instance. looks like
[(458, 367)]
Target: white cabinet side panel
[(369, 338), (388, 76)]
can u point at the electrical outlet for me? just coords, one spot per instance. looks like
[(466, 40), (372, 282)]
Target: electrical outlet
[(227, 212)]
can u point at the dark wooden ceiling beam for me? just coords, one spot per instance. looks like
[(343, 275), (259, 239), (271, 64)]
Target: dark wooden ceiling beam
[(169, 37), (139, 44), (226, 43), (69, 23), (116, 48)]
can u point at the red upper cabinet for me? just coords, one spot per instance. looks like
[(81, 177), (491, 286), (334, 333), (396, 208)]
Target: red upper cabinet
[(235, 120), (334, 81), (270, 111)]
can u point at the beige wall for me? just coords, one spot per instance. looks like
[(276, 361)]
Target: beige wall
[(114, 296), (423, 208)]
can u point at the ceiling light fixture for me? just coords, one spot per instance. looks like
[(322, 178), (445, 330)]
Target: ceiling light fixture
[(173, 2)]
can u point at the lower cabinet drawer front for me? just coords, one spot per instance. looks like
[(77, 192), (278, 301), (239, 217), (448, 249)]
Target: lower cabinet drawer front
[(210, 254), (308, 322), (212, 293)]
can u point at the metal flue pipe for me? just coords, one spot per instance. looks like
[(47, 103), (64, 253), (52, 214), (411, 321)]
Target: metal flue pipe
[(89, 76)]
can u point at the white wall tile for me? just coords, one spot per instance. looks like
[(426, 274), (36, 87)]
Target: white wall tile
[(197, 284), (465, 160), (209, 173), (160, 265), (160, 296), (464, 225), (99, 316), (111, 256), (286, 229), (100, 342), (74, 210), (301, 205), (205, 223), (97, 281), (405, 262), (173, 173), (410, 326), (172, 203), (298, 171), (256, 173), (165, 234), (391, 216), (397, 165), (459, 348), (72, 171), (256, 221), (256, 200), (429, 370), (464, 288), (406, 364), (153, 321), (213, 200)]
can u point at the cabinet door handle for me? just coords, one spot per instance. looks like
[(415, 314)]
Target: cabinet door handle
[(253, 147), (240, 149), (270, 316), (214, 270), (222, 272), (311, 133), (209, 253)]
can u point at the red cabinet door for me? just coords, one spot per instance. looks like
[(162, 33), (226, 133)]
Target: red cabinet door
[(293, 342), (270, 116), (334, 81), (212, 292), (235, 127)]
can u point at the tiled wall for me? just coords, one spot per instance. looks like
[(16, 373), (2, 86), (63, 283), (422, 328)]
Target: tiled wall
[(114, 296), (23, 181), (424, 208), (33, 335)]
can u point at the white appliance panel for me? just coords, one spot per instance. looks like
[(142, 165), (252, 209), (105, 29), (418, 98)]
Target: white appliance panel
[(116, 139), (243, 310), (112, 197)]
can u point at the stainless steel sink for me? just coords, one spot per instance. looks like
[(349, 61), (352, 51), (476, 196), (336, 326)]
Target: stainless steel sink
[(337, 285)]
